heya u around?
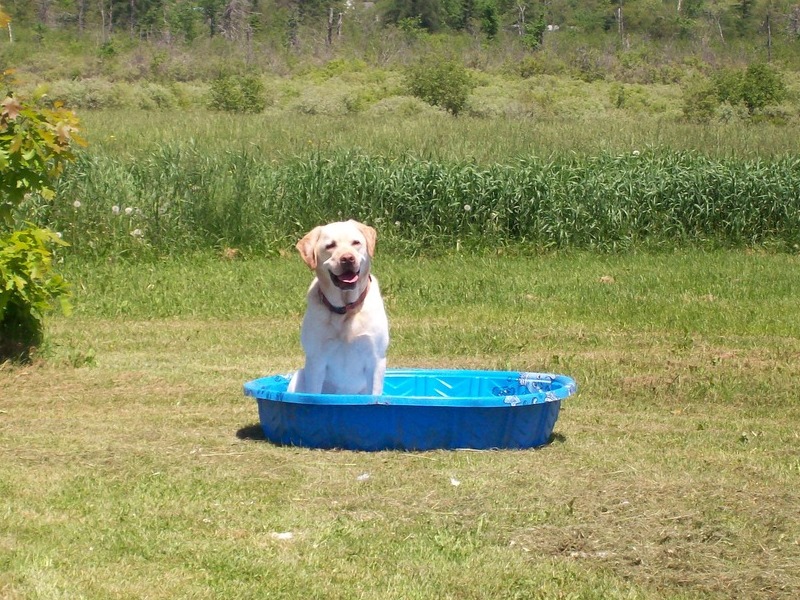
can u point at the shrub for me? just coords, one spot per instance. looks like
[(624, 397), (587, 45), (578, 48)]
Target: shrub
[(440, 82), (28, 289), (158, 96), (330, 101), (761, 86), (239, 93), (587, 65), (404, 106), (756, 87), (700, 100), (34, 146), (728, 86)]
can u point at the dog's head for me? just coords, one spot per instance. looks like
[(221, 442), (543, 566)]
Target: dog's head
[(339, 253)]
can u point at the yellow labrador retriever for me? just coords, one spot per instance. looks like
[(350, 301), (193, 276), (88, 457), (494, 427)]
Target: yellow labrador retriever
[(345, 332)]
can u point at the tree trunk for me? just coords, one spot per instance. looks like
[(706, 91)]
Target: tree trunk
[(44, 11), (292, 26), (769, 40), (107, 17), (81, 15), (167, 30), (794, 21), (133, 17), (103, 19)]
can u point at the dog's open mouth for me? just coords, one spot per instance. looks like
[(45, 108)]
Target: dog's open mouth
[(346, 280)]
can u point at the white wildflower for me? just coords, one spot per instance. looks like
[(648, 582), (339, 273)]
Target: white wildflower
[(77, 204), (137, 233), (129, 211), (467, 208), (635, 153), (115, 210)]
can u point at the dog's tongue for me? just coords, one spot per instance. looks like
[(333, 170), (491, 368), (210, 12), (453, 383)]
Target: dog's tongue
[(348, 278)]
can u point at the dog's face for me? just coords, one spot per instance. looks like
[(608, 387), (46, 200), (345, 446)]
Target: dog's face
[(339, 253)]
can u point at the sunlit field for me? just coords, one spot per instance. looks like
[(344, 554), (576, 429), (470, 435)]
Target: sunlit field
[(132, 464), (656, 263)]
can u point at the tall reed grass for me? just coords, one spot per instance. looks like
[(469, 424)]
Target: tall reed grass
[(179, 199)]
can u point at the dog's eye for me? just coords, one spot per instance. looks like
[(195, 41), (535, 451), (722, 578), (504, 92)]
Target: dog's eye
[(356, 243), (330, 245)]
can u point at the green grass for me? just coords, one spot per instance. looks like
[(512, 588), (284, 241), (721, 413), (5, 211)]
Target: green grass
[(429, 135), (130, 462), (130, 466), (151, 184), (179, 198)]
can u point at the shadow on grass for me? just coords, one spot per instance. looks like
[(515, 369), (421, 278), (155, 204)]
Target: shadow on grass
[(255, 433), (251, 432)]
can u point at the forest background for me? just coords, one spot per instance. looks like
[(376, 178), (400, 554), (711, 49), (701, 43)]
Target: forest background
[(673, 58)]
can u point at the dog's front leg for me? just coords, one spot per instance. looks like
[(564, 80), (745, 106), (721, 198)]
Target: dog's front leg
[(308, 380), (376, 377)]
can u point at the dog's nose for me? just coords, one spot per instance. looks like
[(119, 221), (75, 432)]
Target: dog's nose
[(347, 259)]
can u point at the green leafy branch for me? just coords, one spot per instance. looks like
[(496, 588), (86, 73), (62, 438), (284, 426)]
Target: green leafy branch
[(35, 144)]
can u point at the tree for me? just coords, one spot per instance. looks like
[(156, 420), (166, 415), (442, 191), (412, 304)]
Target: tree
[(490, 18), (744, 12), (429, 13)]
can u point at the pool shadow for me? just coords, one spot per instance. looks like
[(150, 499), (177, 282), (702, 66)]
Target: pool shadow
[(255, 433), (252, 432)]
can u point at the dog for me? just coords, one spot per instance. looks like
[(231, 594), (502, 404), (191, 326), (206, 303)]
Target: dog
[(345, 331)]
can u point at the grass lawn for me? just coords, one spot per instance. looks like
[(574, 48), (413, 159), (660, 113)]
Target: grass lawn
[(131, 464)]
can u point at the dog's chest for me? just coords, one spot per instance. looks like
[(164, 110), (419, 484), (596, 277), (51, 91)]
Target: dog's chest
[(346, 329), (347, 364)]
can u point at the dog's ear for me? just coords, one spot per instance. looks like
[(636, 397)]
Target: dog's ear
[(369, 234), (308, 247)]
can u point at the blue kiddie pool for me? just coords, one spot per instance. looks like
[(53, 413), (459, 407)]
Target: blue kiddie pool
[(420, 409)]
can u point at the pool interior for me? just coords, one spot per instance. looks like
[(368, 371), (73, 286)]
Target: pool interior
[(465, 384)]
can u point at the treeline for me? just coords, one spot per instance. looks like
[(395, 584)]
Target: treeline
[(289, 20)]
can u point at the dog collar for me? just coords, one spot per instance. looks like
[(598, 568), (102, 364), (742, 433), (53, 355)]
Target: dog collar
[(343, 310)]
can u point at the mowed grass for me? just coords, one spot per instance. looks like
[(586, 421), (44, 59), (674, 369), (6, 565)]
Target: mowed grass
[(131, 465)]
